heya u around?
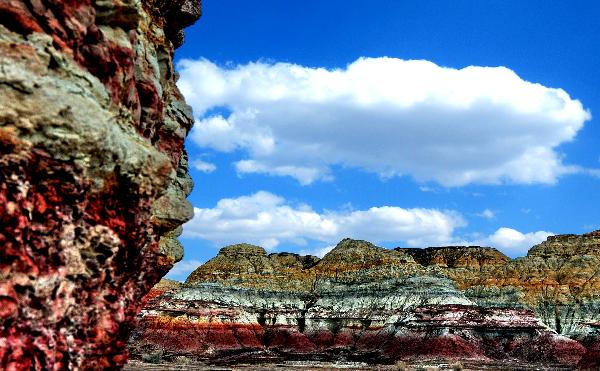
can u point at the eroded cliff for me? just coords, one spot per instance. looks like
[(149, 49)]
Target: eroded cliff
[(366, 303), (93, 173)]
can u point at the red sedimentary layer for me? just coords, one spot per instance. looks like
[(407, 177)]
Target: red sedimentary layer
[(439, 332)]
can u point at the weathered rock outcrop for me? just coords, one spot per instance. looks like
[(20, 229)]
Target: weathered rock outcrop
[(559, 279), (366, 303), (246, 265), (93, 173)]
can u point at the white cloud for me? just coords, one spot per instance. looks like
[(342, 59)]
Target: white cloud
[(384, 115), (487, 214), (512, 242), (319, 251), (268, 220), (304, 175), (182, 269), (592, 172), (205, 167)]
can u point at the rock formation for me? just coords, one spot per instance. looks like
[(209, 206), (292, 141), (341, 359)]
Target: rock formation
[(366, 303), (559, 279), (93, 173)]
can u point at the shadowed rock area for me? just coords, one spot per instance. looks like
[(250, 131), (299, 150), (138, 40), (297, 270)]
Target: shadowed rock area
[(93, 174), (363, 303)]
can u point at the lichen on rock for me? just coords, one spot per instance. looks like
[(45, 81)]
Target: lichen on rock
[(93, 174)]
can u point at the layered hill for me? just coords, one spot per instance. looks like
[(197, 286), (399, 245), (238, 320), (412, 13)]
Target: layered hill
[(365, 303)]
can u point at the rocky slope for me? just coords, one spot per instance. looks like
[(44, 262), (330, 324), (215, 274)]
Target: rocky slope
[(559, 279), (93, 173), (370, 304)]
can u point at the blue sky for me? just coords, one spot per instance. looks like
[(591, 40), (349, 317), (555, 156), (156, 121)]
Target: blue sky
[(319, 120)]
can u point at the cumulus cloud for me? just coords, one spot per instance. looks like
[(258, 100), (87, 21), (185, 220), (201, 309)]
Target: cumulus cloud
[(387, 116), (268, 220), (203, 166), (487, 214), (304, 175), (592, 172), (512, 242), (182, 269), (319, 251)]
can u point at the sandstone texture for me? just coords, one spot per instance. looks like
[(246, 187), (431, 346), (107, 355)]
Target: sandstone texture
[(93, 174), (363, 303)]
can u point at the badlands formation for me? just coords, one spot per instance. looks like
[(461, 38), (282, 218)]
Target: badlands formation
[(368, 304)]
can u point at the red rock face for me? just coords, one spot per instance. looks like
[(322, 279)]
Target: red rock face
[(91, 140), (591, 358)]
